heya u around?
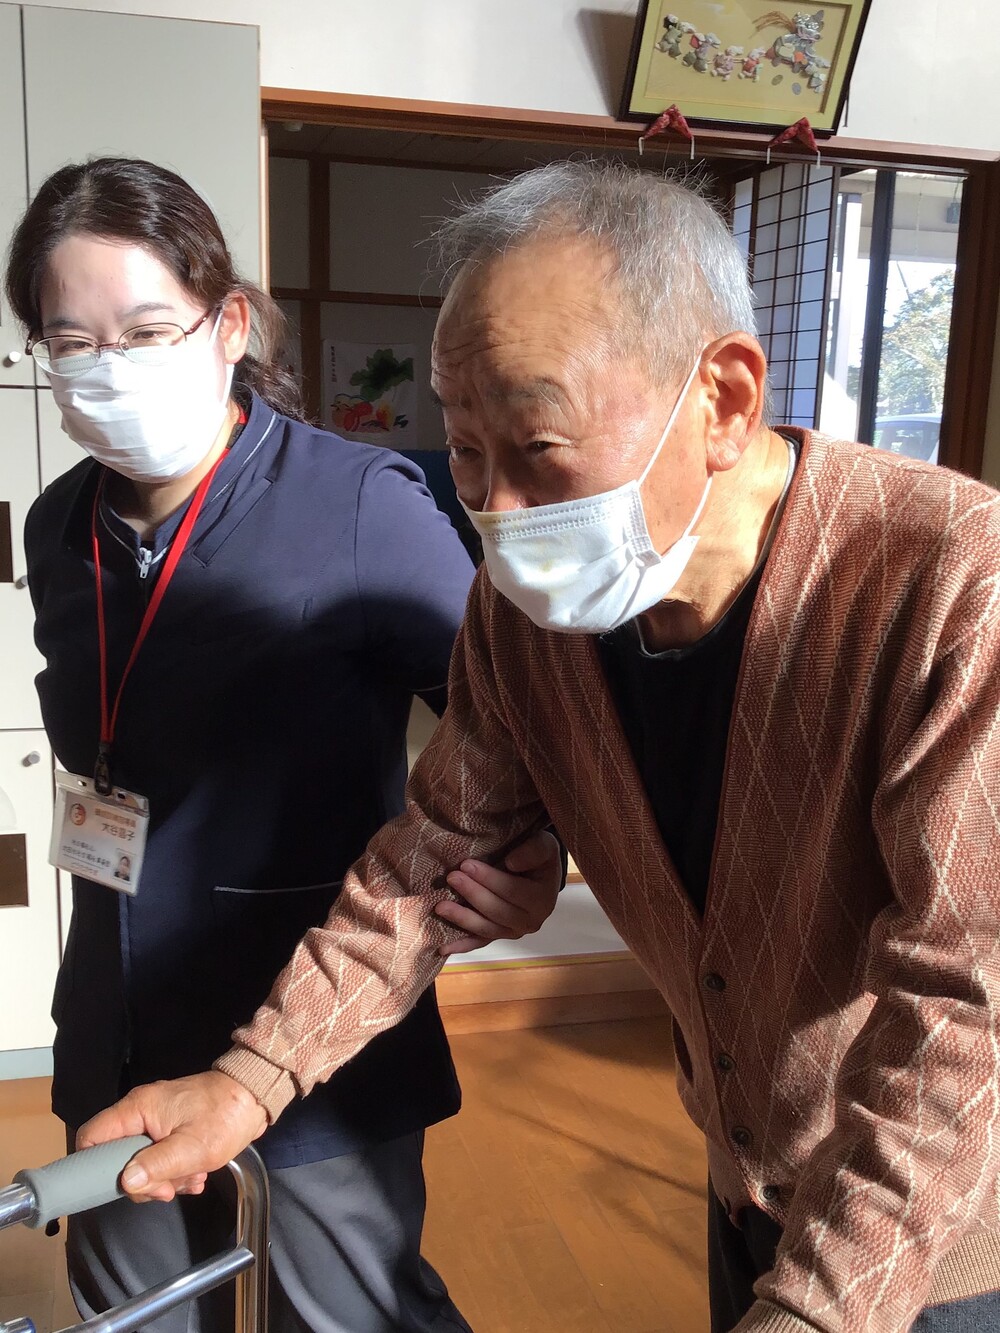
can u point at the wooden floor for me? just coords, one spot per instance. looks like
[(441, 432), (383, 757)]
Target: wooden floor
[(32, 1275), (568, 1195)]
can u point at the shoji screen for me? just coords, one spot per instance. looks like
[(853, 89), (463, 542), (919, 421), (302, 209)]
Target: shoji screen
[(784, 219)]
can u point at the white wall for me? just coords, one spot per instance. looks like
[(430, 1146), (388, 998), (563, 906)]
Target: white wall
[(288, 221), (925, 74), (380, 219), (386, 252)]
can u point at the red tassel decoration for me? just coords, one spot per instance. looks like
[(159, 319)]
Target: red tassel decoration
[(671, 119), (802, 131)]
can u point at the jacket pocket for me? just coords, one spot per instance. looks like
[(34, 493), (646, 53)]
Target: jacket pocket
[(257, 931)]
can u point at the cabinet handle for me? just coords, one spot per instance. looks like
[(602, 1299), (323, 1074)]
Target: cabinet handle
[(13, 357), (32, 758), (21, 582)]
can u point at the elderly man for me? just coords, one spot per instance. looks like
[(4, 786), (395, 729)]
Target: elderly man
[(751, 676)]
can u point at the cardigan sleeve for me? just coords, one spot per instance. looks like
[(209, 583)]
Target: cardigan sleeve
[(915, 1150), (360, 973)]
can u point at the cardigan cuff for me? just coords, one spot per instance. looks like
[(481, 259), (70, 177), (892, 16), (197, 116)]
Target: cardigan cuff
[(764, 1317), (272, 1086)]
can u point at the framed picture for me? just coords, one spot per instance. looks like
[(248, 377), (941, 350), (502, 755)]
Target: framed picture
[(370, 392), (745, 63)]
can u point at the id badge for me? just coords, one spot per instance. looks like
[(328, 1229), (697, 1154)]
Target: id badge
[(100, 838)]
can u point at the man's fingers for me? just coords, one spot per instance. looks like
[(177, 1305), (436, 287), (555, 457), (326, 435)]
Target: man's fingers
[(161, 1194), (198, 1123), (177, 1158), (118, 1122), (193, 1185)]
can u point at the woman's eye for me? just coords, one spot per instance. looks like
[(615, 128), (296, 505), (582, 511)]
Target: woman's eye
[(460, 453), (70, 346)]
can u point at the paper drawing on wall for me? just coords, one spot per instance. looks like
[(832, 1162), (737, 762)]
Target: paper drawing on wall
[(370, 392), (743, 61)]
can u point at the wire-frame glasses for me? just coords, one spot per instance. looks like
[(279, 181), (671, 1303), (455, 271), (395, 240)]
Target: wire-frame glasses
[(70, 354)]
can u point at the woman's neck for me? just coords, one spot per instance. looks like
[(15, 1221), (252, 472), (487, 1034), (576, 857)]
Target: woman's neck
[(145, 505)]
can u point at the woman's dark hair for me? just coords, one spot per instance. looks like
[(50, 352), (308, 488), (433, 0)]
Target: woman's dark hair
[(126, 199)]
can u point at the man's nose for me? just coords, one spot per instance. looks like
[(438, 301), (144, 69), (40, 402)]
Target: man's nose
[(502, 496)]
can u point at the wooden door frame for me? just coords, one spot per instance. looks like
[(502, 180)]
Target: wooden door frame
[(977, 274)]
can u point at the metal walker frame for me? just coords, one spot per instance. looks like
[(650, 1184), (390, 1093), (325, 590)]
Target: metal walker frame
[(90, 1178)]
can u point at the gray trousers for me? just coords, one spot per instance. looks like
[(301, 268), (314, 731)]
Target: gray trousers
[(738, 1256), (345, 1249)]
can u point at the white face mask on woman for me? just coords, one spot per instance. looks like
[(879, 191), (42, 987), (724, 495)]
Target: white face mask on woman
[(149, 422), (586, 566)]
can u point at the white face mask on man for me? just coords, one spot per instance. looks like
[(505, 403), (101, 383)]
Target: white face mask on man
[(149, 422), (586, 566)]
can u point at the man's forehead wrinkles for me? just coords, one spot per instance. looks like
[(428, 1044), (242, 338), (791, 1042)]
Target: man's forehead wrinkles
[(537, 388), (447, 401)]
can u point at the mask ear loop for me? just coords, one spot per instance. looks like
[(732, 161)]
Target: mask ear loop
[(701, 507), (673, 417), (230, 366), (215, 326)]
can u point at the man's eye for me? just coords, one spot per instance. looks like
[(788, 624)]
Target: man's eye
[(460, 453)]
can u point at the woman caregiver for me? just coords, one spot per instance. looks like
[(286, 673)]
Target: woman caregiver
[(235, 610)]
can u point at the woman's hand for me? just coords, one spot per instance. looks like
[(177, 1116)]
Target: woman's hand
[(504, 903)]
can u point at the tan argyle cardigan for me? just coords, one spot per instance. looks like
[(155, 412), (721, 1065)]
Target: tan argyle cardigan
[(848, 960)]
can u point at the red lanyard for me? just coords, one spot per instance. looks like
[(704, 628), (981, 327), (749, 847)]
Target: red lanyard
[(102, 770)]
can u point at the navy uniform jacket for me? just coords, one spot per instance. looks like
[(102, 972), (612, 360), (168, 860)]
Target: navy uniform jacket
[(265, 721)]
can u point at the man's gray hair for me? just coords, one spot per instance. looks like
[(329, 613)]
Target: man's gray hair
[(683, 277)]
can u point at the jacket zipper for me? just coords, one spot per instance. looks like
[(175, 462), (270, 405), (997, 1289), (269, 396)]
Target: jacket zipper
[(145, 564)]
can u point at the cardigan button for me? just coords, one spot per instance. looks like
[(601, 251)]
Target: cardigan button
[(725, 1063), (771, 1193), (741, 1136), (714, 982)]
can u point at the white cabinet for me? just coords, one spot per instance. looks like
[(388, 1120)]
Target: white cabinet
[(76, 84), (19, 660), (15, 367), (29, 932), (183, 94)]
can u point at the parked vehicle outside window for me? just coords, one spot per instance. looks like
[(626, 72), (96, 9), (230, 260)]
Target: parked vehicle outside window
[(913, 436)]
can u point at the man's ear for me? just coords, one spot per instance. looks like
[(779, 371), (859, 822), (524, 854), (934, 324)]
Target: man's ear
[(737, 374)]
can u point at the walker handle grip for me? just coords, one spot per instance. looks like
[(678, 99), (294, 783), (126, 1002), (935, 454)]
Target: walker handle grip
[(81, 1181)]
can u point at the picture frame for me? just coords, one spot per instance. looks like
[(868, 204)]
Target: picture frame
[(745, 64)]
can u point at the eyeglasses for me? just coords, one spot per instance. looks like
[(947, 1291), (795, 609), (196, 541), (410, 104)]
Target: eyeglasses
[(69, 354)]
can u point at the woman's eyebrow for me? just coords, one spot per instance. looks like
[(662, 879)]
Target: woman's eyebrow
[(144, 308)]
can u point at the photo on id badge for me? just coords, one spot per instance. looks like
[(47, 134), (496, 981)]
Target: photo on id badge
[(100, 838)]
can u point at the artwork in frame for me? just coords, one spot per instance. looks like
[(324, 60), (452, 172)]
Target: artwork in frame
[(369, 392), (743, 63)]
